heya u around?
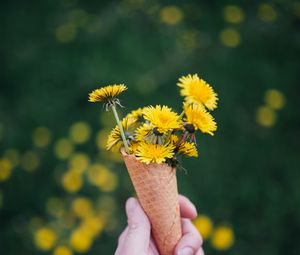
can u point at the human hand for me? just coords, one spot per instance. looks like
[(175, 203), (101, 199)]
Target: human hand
[(136, 239)]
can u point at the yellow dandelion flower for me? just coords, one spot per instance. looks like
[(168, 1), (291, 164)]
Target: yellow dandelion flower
[(107, 94), (133, 147), (115, 138), (154, 153), (199, 118), (187, 149), (174, 139), (143, 132), (162, 118), (196, 90), (136, 114)]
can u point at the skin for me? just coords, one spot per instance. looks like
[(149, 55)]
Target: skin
[(136, 238)]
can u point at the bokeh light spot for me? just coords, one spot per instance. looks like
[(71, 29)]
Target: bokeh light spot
[(101, 139), (82, 207), (5, 170), (66, 33), (171, 15), (62, 250), (230, 37), (12, 155), (265, 116), (204, 225), (41, 137), (222, 238), (274, 99), (63, 148), (80, 132), (45, 238), (79, 162), (30, 161), (81, 240), (102, 177), (72, 181), (267, 13), (233, 14)]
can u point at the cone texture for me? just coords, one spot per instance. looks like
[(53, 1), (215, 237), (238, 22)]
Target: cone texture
[(156, 188)]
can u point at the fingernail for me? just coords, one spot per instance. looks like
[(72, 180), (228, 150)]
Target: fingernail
[(131, 204), (186, 251)]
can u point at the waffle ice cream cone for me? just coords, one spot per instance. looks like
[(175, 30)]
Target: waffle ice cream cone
[(156, 188)]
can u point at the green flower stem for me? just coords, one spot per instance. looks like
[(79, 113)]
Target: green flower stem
[(121, 129), (181, 115)]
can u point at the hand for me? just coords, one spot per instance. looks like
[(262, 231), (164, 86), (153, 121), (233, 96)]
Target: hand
[(136, 239)]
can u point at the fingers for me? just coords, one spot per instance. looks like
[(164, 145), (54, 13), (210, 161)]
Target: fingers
[(136, 238), (200, 252), (187, 208), (191, 241)]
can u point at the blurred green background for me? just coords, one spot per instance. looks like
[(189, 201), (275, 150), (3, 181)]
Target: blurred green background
[(61, 193)]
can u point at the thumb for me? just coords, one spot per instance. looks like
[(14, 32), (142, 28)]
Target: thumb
[(138, 234)]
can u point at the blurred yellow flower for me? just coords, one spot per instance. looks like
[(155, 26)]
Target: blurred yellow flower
[(171, 15), (101, 139), (55, 206), (222, 238), (274, 99), (81, 240), (41, 137), (267, 13), (5, 169), (265, 116), (66, 33), (196, 90), (45, 238), (30, 161), (102, 177), (233, 14), (72, 181), (230, 37), (137, 114), (63, 148), (80, 132), (62, 250), (82, 207), (154, 153), (93, 225), (12, 155), (143, 132), (79, 161), (204, 225), (162, 118), (187, 149), (107, 94), (199, 118)]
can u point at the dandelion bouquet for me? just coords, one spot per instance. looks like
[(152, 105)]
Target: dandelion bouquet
[(151, 140)]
